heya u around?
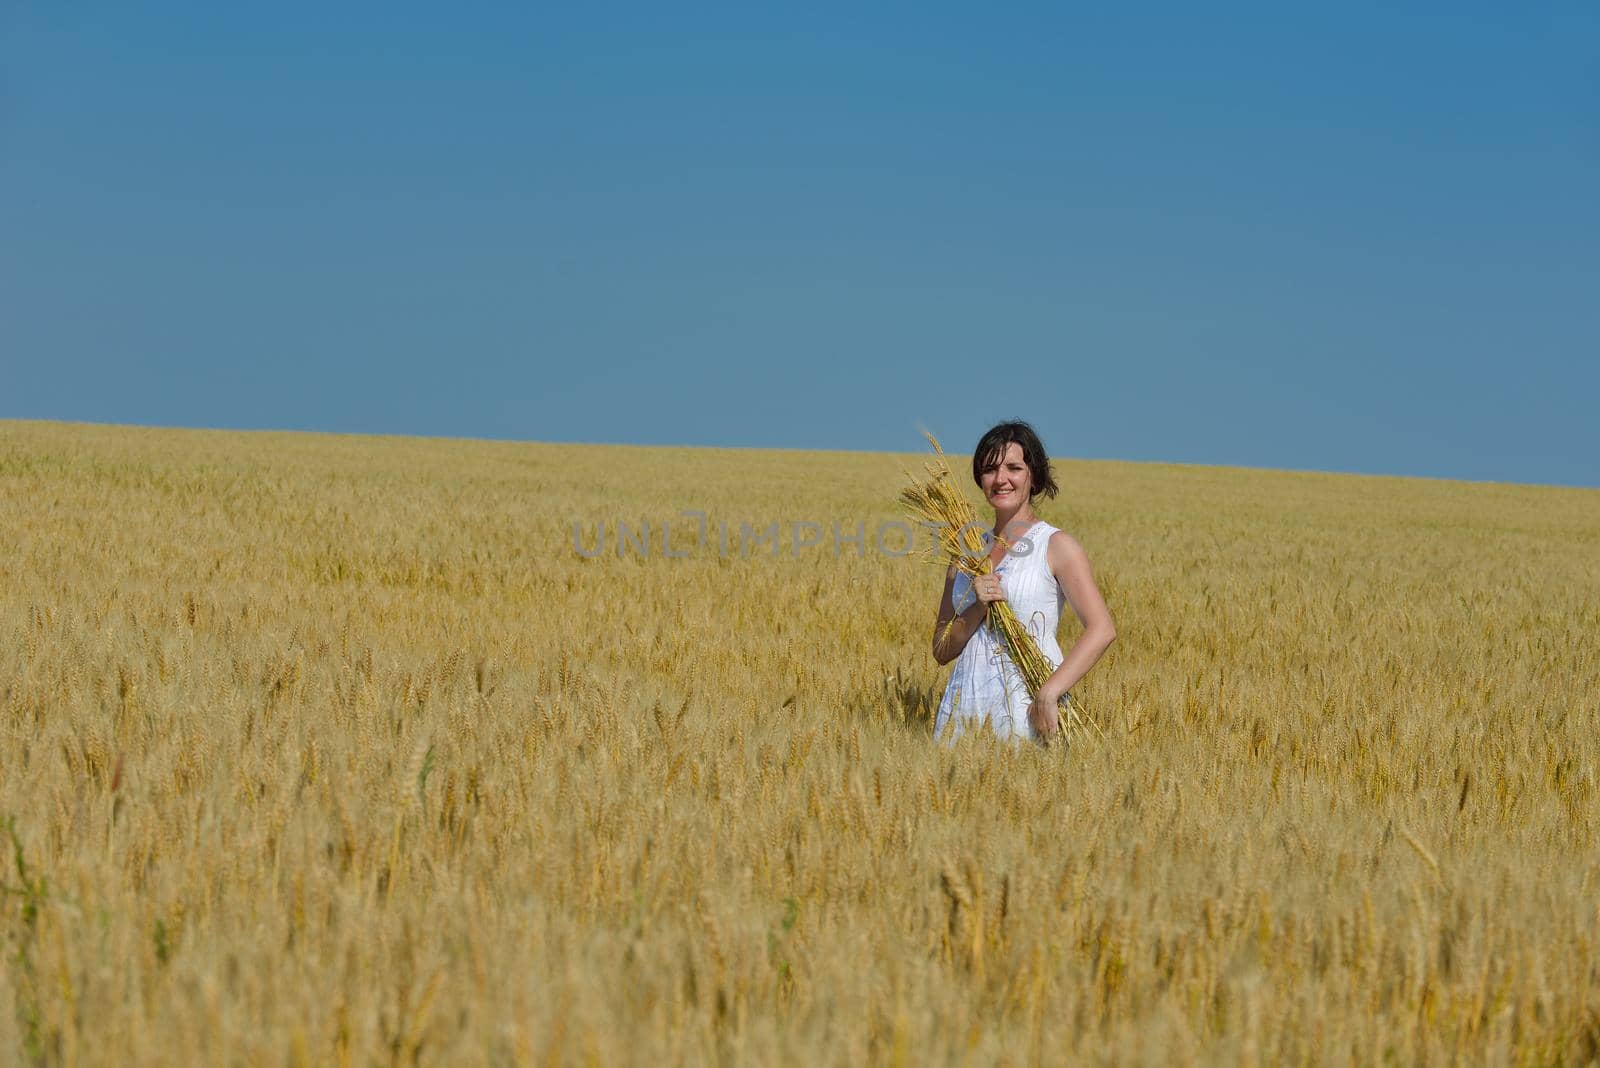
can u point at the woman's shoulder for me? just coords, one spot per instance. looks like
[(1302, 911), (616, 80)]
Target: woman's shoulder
[(1062, 546), (1043, 542)]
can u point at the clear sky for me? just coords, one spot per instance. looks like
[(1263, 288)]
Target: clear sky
[(1352, 237)]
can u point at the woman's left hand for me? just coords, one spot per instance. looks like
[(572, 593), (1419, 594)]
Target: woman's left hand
[(1043, 716)]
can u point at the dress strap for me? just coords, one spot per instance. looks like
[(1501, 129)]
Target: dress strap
[(1039, 554), (1038, 538)]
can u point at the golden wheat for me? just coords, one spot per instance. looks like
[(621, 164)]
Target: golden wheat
[(335, 750)]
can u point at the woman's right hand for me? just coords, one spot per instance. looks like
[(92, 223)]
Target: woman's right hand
[(988, 588)]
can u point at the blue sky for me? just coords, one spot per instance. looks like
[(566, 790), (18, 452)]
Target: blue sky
[(1349, 238)]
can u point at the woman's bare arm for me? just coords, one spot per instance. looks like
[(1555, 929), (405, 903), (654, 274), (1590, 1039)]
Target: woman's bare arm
[(952, 631), (1070, 565)]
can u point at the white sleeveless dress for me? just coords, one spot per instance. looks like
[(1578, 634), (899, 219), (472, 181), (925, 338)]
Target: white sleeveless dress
[(985, 684)]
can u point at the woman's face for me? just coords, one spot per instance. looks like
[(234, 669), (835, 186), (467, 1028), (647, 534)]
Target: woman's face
[(1006, 480)]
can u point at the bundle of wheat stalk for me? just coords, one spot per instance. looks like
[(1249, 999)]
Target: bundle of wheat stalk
[(936, 502)]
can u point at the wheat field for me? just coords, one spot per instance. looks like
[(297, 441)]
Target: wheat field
[(340, 750)]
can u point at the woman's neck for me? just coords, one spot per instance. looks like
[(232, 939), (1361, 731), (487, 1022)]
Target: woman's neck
[(1016, 523)]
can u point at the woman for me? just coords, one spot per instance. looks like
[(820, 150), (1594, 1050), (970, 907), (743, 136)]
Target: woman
[(1043, 568)]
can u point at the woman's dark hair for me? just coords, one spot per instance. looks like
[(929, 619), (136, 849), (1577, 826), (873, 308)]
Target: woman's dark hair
[(992, 446)]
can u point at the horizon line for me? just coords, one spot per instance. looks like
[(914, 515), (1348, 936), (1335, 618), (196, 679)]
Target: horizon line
[(1201, 464)]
